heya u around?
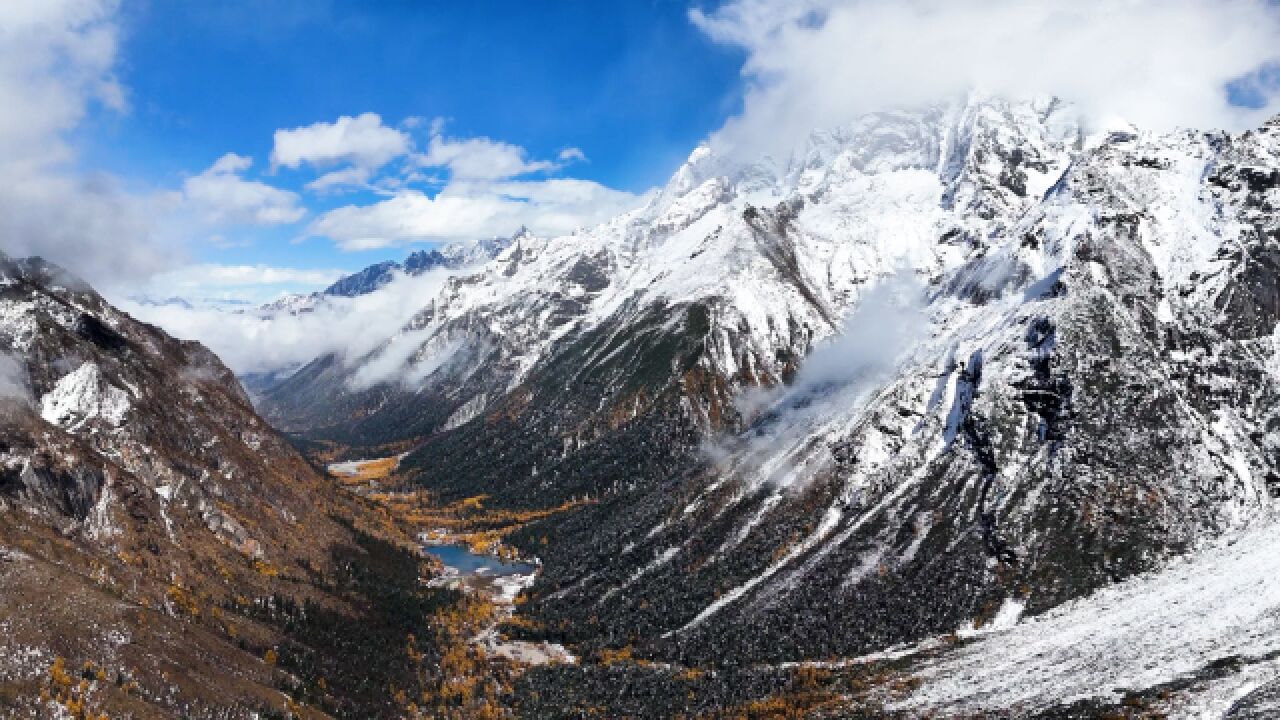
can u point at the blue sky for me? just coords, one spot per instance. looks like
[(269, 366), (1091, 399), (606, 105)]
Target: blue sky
[(634, 89), (249, 147)]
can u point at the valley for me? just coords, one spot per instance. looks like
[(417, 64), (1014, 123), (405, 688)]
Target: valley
[(463, 562)]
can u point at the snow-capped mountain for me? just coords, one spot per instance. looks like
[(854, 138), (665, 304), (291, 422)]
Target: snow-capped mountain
[(173, 301), (705, 237), (937, 369), (366, 281), (454, 256)]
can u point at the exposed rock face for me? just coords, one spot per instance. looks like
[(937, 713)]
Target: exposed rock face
[(125, 401), (1091, 389), (365, 281)]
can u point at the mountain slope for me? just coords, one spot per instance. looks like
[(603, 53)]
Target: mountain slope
[(158, 540), (1205, 626), (934, 365)]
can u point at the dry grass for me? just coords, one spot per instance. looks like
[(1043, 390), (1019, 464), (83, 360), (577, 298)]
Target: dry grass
[(369, 471), (467, 522)]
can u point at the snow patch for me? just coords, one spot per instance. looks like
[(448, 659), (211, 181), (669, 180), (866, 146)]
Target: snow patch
[(1140, 633), (84, 395), (18, 324), (467, 412)]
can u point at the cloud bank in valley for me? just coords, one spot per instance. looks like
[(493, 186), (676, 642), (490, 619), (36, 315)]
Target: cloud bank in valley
[(1158, 64), (255, 342)]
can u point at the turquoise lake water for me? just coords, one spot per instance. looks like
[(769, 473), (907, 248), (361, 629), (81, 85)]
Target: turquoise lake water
[(469, 563)]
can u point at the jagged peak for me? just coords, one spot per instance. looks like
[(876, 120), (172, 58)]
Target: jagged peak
[(937, 136)]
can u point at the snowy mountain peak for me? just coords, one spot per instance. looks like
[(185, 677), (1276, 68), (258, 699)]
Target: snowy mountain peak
[(452, 257)]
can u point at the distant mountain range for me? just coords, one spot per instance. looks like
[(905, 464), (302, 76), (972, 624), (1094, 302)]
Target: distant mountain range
[(454, 256)]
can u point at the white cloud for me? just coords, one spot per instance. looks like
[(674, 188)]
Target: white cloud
[(223, 197), (470, 210), (84, 223), (361, 141), (56, 57), (572, 154), (212, 275), (346, 177), (229, 164), (481, 159), (222, 285), (395, 361), (13, 378), (56, 64), (1155, 63), (482, 186), (838, 376), (351, 327), (485, 196)]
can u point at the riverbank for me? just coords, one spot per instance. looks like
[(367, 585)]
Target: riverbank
[(499, 581)]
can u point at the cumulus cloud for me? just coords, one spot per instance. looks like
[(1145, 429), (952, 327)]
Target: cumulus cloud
[(350, 327), (335, 179), (481, 159), (361, 141), (484, 188), (1156, 63), (56, 65), (56, 57), (467, 210), (223, 196)]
